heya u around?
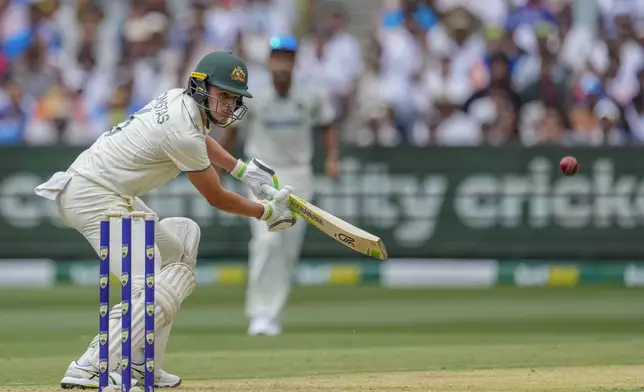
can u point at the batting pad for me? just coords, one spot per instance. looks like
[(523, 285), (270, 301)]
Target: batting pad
[(174, 284)]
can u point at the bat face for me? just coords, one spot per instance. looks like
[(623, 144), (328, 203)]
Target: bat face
[(343, 232)]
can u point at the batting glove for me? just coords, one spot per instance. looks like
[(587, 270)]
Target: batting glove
[(277, 215), (255, 174)]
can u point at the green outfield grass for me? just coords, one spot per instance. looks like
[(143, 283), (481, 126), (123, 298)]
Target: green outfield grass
[(358, 339)]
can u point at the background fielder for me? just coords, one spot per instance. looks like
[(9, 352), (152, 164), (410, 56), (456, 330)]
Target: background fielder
[(280, 125), (168, 136)]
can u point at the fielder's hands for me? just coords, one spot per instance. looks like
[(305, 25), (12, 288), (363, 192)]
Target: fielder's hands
[(255, 174), (277, 215)]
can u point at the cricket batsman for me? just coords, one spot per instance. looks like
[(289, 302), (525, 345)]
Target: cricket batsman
[(279, 127), (167, 137)]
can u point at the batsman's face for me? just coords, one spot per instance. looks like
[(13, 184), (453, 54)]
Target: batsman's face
[(221, 103)]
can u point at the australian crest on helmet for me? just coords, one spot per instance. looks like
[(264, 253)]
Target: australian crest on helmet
[(238, 74)]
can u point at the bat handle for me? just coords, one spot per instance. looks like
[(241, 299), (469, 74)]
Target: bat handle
[(269, 190)]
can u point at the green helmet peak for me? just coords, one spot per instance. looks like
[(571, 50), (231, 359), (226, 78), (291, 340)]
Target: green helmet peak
[(227, 72)]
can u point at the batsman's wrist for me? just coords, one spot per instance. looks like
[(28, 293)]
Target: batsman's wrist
[(239, 170), (268, 211)]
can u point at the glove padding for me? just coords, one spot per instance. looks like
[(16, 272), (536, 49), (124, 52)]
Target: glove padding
[(277, 215), (255, 174)]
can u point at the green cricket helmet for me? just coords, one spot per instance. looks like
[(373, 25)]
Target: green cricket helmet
[(227, 72)]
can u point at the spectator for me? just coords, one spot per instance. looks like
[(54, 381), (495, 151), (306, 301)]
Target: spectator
[(485, 112), (455, 37), (551, 128), (371, 108), (224, 22), (33, 71), (530, 14), (194, 44), (594, 115), (549, 86), (146, 38), (335, 56), (15, 28), (498, 40), (610, 131), (403, 58), (452, 127), (634, 116), (393, 16), (51, 116), (507, 100), (13, 113)]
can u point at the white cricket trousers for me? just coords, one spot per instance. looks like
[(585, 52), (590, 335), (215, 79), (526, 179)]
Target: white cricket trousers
[(81, 205), (273, 256)]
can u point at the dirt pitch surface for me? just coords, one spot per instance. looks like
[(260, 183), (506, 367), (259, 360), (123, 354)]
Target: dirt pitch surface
[(561, 379)]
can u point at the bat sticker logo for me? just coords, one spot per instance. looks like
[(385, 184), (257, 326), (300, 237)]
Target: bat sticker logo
[(346, 239), (302, 210)]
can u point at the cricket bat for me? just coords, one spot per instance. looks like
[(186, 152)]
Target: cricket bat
[(341, 231)]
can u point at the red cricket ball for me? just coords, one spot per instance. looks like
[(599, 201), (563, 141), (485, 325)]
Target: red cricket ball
[(569, 166)]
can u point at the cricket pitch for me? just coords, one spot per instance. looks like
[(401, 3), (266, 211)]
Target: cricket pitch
[(560, 379)]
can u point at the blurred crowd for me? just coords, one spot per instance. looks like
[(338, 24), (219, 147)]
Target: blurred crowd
[(420, 72), (470, 72), (70, 69)]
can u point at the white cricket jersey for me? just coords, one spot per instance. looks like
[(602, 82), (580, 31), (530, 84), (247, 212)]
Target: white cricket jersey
[(158, 142), (280, 130)]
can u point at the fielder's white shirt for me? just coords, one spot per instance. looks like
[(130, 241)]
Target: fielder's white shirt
[(154, 146), (280, 129)]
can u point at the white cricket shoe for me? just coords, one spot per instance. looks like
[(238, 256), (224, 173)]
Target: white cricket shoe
[(264, 326), (86, 377), (162, 379)]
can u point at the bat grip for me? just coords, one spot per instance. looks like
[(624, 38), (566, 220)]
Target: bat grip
[(269, 190)]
